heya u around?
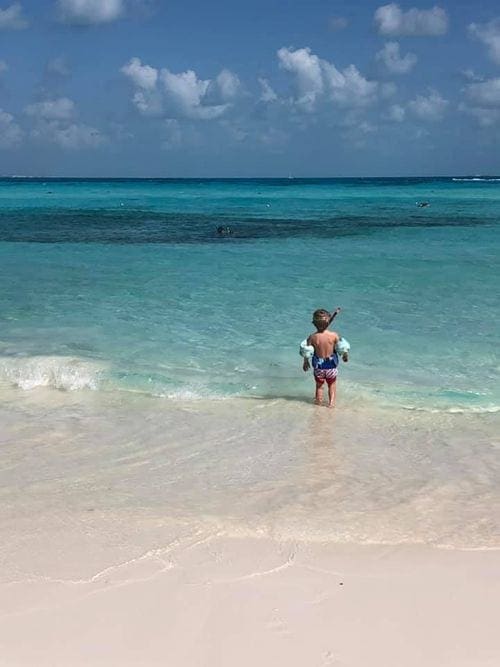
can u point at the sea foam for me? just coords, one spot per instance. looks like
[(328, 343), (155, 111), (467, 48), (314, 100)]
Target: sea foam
[(65, 373)]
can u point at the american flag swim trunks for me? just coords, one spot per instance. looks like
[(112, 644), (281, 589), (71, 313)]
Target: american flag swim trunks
[(328, 374)]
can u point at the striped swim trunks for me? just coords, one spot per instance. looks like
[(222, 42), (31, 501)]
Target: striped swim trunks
[(328, 374)]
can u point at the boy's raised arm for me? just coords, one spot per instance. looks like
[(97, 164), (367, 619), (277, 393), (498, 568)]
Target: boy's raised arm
[(334, 315)]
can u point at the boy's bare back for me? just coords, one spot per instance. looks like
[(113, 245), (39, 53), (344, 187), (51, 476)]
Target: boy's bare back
[(324, 342)]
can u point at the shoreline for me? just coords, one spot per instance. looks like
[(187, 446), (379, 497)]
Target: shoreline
[(225, 601)]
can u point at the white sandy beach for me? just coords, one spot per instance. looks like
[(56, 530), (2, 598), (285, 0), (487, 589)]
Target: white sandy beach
[(218, 601), (245, 533)]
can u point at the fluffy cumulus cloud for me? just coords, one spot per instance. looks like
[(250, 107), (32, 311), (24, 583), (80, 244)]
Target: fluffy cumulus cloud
[(10, 132), (12, 18), (489, 35), (61, 108), (88, 12), (429, 108), (316, 78), (54, 123), (186, 93), (391, 20), (393, 61), (143, 76), (181, 94), (307, 69), (227, 85)]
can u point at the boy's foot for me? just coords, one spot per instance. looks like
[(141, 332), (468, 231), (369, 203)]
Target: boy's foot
[(331, 405), (317, 401)]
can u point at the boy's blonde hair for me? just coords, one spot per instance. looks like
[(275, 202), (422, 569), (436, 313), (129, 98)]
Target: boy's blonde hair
[(321, 319)]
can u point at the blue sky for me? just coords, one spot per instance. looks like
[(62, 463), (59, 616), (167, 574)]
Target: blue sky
[(267, 88)]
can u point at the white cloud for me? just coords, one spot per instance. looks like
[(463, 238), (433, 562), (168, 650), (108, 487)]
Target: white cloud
[(149, 103), (54, 123), (228, 85), (186, 92), (485, 117), (147, 99), (307, 68), (470, 75), (348, 87), (181, 94), (143, 76), (12, 18), (430, 108), (392, 20), (58, 109), (77, 136), (489, 35), (70, 136), (88, 12), (10, 132), (316, 77), (485, 94), (396, 113), (267, 93), (393, 61)]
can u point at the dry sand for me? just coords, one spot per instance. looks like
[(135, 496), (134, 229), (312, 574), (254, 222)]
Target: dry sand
[(235, 602)]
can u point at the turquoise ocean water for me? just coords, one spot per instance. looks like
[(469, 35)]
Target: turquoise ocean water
[(150, 375), (124, 285)]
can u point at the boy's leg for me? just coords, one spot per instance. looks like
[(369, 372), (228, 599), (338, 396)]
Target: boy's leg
[(332, 392), (318, 398)]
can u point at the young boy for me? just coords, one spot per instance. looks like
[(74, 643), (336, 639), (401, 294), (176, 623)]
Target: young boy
[(325, 360)]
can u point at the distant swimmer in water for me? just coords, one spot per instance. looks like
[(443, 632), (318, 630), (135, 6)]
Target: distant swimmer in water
[(224, 230), (422, 204)]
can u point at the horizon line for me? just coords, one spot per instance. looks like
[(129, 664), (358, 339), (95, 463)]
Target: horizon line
[(240, 178)]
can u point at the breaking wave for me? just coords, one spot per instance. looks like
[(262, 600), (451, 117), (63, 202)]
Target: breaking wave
[(65, 373), (477, 179)]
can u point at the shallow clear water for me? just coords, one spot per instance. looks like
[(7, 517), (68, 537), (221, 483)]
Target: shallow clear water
[(123, 293)]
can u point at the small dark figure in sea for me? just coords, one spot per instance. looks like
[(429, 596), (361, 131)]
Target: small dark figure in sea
[(423, 204), (224, 230)]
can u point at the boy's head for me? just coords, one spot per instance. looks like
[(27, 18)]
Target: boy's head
[(321, 319)]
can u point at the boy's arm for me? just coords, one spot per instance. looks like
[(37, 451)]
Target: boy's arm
[(334, 315), (306, 364)]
